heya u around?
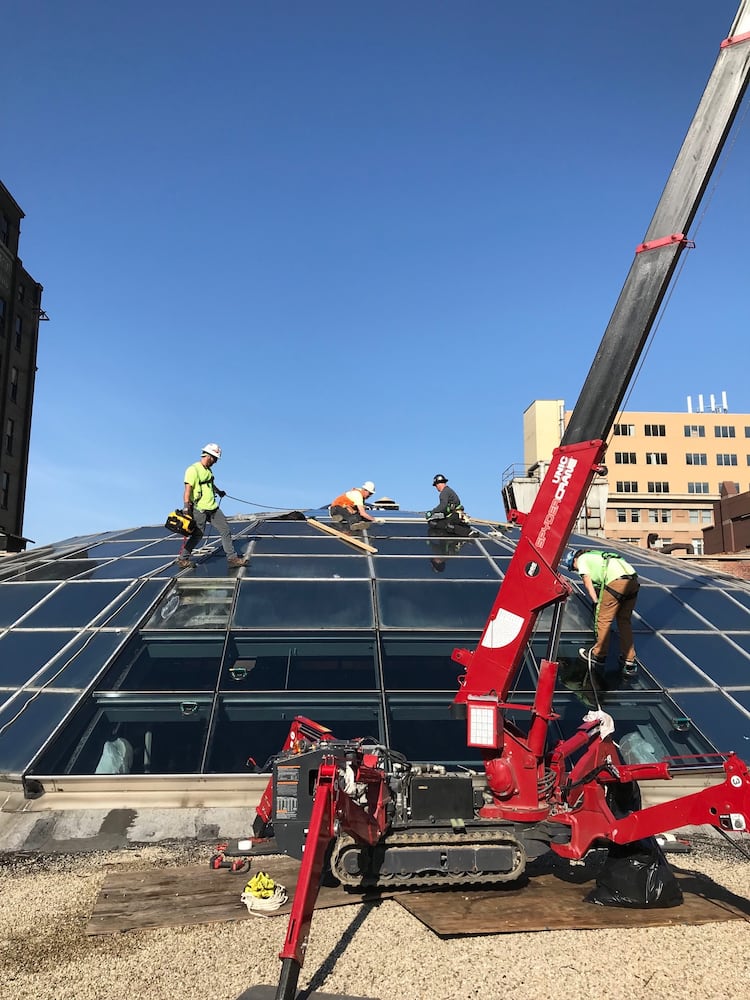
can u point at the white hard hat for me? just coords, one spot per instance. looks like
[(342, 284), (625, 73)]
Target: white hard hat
[(213, 450), (370, 487)]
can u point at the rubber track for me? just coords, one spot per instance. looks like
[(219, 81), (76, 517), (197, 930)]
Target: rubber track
[(406, 838)]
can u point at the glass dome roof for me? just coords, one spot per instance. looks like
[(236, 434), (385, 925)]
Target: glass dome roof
[(113, 660)]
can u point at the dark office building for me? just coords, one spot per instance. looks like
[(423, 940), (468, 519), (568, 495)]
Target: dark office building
[(20, 313)]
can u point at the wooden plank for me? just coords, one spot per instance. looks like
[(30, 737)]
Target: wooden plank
[(546, 903), (195, 894), (342, 535)]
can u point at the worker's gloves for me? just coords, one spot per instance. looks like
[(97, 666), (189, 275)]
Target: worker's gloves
[(220, 493), (187, 510)]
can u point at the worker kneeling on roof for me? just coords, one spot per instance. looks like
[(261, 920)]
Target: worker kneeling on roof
[(448, 516), (349, 508)]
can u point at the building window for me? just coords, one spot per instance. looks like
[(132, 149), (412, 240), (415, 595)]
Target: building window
[(736, 486), (625, 458), (700, 516), (628, 430), (19, 332), (659, 516), (697, 487), (694, 431), (622, 515), (626, 486), (655, 487), (723, 431), (2, 317), (655, 430), (10, 430), (635, 516), (656, 458), (21, 292), (695, 458), (4, 228), (726, 459), (4, 491), (697, 544), (747, 432), (13, 390)]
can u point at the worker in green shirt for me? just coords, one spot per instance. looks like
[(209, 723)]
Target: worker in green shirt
[(200, 502), (612, 584)]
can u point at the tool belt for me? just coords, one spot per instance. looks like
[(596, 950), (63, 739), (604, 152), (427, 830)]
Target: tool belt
[(181, 524)]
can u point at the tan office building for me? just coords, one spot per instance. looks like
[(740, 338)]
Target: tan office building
[(665, 470)]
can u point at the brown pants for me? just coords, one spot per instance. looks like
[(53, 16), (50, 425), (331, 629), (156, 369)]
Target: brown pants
[(616, 603)]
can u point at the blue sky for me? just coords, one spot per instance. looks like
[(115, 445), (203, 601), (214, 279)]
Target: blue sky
[(347, 240)]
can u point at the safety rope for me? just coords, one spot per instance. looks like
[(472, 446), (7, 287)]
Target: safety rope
[(262, 895), (262, 506)]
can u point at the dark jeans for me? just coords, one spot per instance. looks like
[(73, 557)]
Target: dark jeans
[(349, 517), (217, 518)]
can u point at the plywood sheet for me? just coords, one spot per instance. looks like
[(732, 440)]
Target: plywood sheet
[(193, 894), (545, 903)]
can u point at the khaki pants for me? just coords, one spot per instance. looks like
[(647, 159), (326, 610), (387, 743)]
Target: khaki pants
[(616, 603)]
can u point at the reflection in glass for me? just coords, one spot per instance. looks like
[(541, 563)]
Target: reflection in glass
[(250, 729), (719, 718), (721, 660), (426, 665), (302, 604), (199, 604), (23, 719), (315, 665), (442, 605), (660, 609), (310, 567), (74, 605), (448, 565), (153, 662), (164, 734)]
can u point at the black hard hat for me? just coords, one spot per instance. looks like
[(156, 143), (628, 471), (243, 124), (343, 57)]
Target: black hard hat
[(439, 478)]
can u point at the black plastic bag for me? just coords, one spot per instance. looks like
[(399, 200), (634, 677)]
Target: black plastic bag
[(636, 875)]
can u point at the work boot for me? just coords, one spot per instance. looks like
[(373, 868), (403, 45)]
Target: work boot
[(184, 562), (233, 562), (359, 525), (629, 668)]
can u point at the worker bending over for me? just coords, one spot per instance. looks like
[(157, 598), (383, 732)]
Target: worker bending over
[(200, 503), (350, 507), (612, 584)]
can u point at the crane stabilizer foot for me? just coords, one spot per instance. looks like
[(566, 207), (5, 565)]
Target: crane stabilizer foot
[(270, 993)]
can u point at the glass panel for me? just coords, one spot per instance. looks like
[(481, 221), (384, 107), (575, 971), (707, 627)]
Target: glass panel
[(73, 605), (647, 727), (145, 534), (397, 529), (23, 654), (422, 546), (743, 596), (658, 608), (451, 567), (127, 734), (135, 604), (435, 605), (319, 545), (422, 729), (163, 663), (17, 598), (722, 661), (299, 604), (718, 718), (286, 528), (193, 604), (63, 569), (169, 546), (128, 569), (665, 665), (670, 576), (426, 665), (717, 609), (109, 550), (318, 567), (79, 664), (29, 718), (288, 665), (251, 729)]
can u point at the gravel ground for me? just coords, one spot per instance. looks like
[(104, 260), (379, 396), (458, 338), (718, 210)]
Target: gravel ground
[(379, 951)]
